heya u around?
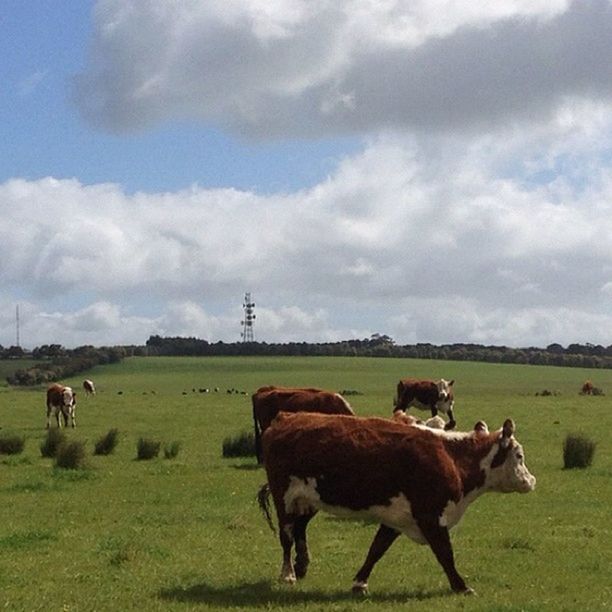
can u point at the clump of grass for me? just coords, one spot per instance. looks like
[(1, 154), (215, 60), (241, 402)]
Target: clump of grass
[(107, 443), (241, 445), (71, 455), (171, 450), (147, 448), (53, 440), (11, 444), (578, 451)]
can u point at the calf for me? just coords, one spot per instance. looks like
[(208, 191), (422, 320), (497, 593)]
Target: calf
[(269, 401), (411, 480), (89, 387), (424, 394), (61, 401)]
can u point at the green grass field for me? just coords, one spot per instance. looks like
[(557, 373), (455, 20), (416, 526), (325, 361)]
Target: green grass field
[(187, 534)]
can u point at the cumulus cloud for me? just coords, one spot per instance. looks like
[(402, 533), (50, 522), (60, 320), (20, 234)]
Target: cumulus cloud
[(405, 238), (270, 69)]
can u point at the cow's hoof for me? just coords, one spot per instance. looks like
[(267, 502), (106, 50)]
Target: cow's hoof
[(467, 591), (360, 588), (288, 579)]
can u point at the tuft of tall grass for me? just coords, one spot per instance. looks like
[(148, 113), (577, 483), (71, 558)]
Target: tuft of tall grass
[(578, 451), (11, 444), (147, 448), (53, 440), (171, 449), (241, 445), (107, 443), (71, 455)]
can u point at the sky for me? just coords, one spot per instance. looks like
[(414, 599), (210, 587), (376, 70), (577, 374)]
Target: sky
[(434, 171)]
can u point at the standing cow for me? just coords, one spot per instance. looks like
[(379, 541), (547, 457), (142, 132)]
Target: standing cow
[(436, 396), (269, 401), (89, 387), (61, 402), (411, 480)]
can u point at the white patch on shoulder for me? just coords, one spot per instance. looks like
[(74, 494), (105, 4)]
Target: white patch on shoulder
[(454, 510)]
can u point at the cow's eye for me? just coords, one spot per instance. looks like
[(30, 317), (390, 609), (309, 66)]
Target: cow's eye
[(519, 456)]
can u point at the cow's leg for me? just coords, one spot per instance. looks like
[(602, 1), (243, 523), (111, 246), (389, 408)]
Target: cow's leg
[(385, 536), (48, 416), (286, 530), (73, 415), (434, 411), (302, 556), (439, 540), (451, 420)]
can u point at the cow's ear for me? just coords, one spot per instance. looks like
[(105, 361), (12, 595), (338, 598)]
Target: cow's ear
[(481, 427), (507, 432), (451, 383)]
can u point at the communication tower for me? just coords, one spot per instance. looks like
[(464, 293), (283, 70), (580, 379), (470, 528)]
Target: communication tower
[(249, 318)]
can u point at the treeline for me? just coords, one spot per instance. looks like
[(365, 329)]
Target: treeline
[(574, 355), (55, 362)]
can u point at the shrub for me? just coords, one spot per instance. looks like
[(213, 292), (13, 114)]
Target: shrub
[(71, 455), (107, 443), (242, 445), (11, 444), (53, 440), (171, 450), (147, 448), (578, 451)]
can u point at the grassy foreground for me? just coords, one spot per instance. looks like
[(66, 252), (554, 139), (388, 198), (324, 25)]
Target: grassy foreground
[(186, 533)]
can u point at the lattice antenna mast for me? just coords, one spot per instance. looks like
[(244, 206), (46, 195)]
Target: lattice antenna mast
[(249, 318), (17, 325)]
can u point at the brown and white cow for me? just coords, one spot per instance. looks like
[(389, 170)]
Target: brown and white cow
[(89, 387), (269, 401), (61, 401), (412, 480), (436, 396)]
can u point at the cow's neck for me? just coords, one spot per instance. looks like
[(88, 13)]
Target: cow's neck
[(469, 454)]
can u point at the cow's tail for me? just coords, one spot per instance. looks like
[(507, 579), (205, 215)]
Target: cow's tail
[(263, 499), (257, 429)]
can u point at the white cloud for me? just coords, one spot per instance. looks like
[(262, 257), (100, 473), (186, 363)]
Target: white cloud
[(407, 238), (311, 68)]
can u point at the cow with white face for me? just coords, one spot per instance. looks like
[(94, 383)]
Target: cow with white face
[(61, 402), (413, 480), (434, 395), (89, 387)]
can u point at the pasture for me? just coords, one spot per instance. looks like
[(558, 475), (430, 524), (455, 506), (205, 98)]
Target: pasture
[(186, 533)]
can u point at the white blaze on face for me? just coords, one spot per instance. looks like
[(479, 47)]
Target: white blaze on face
[(512, 476), (67, 396)]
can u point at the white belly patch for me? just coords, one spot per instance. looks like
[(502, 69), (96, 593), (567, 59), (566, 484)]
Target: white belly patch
[(301, 497)]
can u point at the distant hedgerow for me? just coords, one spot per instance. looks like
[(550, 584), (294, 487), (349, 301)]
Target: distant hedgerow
[(147, 448), (71, 455), (171, 450), (11, 444), (578, 451), (53, 440), (241, 445), (107, 443)]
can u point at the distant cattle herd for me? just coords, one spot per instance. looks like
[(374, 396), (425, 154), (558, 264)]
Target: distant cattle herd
[(411, 476)]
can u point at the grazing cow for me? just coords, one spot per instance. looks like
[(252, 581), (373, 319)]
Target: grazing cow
[(424, 394), (411, 480), (587, 388), (89, 387), (269, 401), (61, 401)]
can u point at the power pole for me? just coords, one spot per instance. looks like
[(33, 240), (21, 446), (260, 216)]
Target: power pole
[(17, 324)]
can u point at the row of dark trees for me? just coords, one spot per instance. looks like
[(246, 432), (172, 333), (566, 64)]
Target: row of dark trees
[(54, 362), (575, 355)]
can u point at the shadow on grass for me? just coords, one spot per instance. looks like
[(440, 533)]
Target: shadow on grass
[(264, 593), (248, 467)]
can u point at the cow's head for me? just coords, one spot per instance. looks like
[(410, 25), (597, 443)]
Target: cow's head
[(68, 397), (507, 472), (445, 395)]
